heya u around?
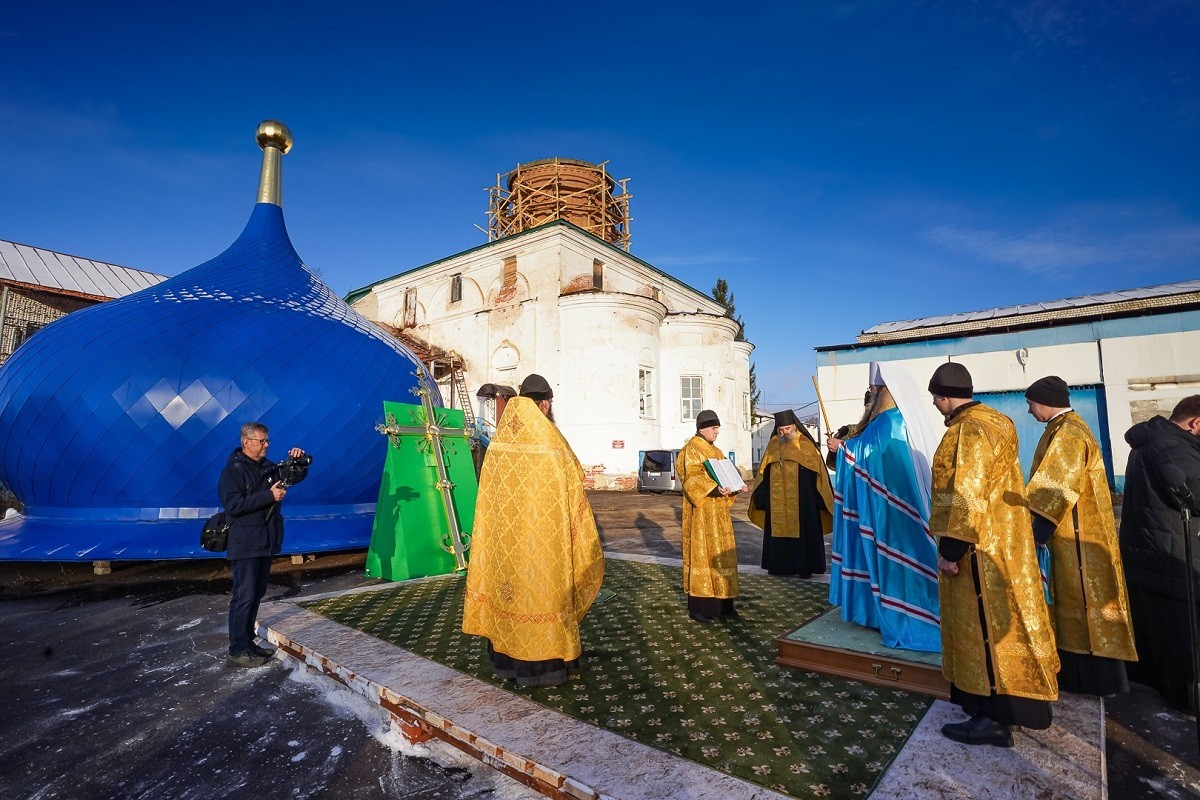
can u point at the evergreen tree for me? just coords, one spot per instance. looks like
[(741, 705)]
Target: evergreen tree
[(721, 293)]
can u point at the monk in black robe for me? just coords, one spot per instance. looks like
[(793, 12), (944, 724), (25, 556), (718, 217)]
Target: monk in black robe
[(792, 501)]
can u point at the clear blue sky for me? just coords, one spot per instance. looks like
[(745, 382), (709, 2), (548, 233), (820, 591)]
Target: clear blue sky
[(840, 164)]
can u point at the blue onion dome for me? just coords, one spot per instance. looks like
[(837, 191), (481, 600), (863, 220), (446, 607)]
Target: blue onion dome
[(116, 421)]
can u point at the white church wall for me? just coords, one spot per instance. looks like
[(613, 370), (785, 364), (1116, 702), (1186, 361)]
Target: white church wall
[(701, 346), (590, 345), (603, 338)]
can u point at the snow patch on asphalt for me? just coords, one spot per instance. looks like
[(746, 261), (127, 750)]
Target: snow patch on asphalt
[(495, 785), (75, 712)]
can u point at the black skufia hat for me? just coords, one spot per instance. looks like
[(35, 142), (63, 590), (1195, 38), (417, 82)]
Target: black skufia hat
[(951, 380), (706, 419), (536, 387), (787, 417), (1049, 391)]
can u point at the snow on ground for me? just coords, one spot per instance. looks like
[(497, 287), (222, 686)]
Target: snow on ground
[(382, 727)]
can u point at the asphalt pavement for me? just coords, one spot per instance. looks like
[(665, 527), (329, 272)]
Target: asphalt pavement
[(118, 688)]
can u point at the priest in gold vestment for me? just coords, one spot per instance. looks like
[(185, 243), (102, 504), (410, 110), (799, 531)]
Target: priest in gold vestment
[(1073, 515), (536, 562), (710, 576), (997, 644), (792, 501)]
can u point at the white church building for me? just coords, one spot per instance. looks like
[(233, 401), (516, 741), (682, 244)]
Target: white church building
[(633, 354)]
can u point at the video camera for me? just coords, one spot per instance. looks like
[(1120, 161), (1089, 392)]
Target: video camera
[(291, 471)]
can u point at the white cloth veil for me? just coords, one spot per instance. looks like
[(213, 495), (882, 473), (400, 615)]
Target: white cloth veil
[(922, 439)]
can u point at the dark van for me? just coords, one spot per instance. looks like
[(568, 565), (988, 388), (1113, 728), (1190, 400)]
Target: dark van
[(657, 473)]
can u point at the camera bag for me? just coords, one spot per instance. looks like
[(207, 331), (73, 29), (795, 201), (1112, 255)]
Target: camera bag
[(214, 537)]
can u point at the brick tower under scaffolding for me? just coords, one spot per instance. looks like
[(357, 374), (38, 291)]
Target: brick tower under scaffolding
[(542, 191)]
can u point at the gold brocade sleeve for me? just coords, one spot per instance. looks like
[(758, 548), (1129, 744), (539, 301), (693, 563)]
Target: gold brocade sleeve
[(697, 483), (587, 554), (1058, 468), (960, 483)]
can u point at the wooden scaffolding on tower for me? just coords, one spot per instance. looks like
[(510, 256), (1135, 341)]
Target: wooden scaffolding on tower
[(579, 192)]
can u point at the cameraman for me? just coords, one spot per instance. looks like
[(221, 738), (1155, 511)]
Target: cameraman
[(251, 492)]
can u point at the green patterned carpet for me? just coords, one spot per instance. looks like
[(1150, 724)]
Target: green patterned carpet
[(709, 693)]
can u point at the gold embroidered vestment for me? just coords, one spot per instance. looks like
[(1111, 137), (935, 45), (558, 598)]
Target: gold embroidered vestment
[(536, 562), (1069, 487), (791, 457), (979, 498), (709, 550)]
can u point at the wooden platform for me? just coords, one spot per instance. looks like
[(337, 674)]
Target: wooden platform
[(829, 645)]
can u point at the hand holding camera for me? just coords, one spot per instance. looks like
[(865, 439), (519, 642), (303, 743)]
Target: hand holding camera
[(293, 469)]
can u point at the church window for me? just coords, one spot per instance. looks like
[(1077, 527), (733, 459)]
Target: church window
[(646, 392), (24, 332), (598, 275), (510, 272), (410, 308), (455, 288), (690, 396)]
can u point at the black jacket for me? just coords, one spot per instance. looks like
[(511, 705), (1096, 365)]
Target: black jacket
[(255, 521), (1152, 546)]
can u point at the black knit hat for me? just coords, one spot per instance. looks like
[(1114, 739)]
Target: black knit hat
[(1050, 391), (706, 419), (951, 380), (787, 417), (536, 387)]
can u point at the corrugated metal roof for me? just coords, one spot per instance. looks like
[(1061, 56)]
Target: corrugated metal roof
[(38, 267), (1050, 306)]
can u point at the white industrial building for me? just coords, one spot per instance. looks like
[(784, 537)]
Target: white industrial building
[(632, 353), (1126, 355)]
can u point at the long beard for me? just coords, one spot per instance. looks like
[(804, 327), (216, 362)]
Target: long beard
[(550, 414), (787, 437)]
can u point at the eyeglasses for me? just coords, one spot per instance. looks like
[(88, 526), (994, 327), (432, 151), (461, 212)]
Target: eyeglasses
[(264, 441)]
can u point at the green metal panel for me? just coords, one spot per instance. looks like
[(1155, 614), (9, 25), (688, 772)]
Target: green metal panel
[(414, 535)]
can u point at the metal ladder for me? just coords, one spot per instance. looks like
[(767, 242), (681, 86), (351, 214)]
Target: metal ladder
[(464, 397)]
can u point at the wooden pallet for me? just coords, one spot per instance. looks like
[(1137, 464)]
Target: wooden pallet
[(875, 668)]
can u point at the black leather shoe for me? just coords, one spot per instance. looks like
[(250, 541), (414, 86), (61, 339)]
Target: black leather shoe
[(265, 652), (979, 730), (700, 617)]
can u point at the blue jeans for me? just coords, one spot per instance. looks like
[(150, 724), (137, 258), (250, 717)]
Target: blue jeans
[(250, 576)]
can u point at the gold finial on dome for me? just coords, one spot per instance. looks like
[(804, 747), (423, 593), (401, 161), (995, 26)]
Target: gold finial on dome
[(275, 139)]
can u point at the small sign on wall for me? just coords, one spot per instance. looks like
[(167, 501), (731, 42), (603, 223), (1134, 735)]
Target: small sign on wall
[(618, 444)]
